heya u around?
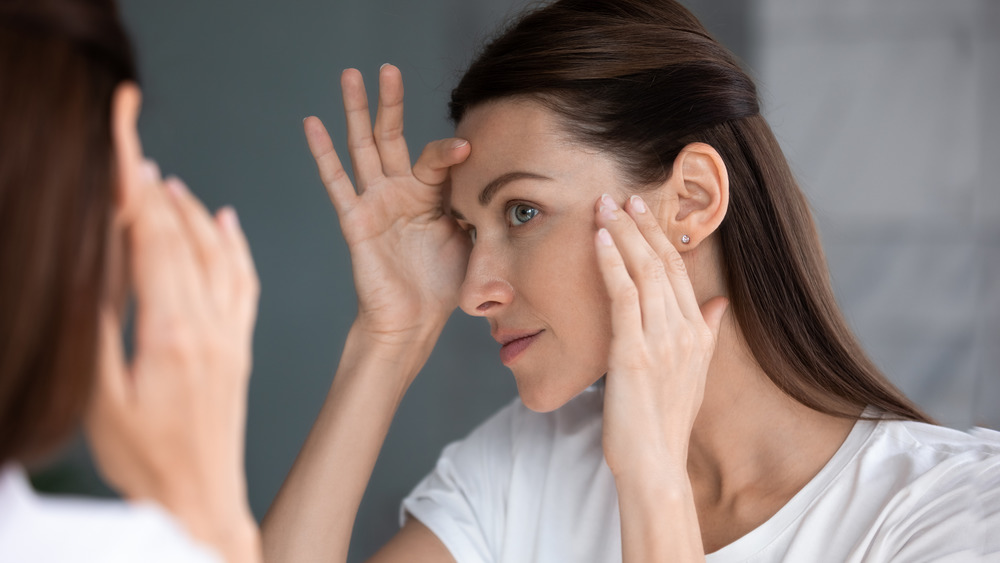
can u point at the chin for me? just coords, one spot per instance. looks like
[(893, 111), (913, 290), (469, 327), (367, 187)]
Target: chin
[(546, 393)]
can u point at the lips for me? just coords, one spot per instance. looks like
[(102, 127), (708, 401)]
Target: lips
[(513, 344)]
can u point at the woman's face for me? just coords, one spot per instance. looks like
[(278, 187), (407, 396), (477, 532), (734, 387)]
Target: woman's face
[(527, 195)]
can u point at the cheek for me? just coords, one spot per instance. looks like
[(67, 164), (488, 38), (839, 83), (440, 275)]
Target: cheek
[(574, 299)]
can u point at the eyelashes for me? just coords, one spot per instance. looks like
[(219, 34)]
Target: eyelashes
[(520, 213), (516, 214)]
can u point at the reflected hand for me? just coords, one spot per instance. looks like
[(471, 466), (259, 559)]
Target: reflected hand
[(408, 255)]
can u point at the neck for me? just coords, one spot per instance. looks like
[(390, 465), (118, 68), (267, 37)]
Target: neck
[(750, 438)]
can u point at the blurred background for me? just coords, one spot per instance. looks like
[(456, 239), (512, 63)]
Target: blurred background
[(888, 112)]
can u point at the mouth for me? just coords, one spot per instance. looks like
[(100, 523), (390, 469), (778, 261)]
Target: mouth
[(514, 344)]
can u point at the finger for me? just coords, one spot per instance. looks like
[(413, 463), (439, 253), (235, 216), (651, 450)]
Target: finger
[(626, 318), (111, 396), (246, 283), (647, 271), (389, 123), (162, 266), (331, 172), (438, 156), (203, 237), (360, 141), (111, 382), (680, 282)]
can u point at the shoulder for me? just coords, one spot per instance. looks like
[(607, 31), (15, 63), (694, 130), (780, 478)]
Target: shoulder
[(932, 462), (499, 473), (926, 446), (88, 529), (943, 485)]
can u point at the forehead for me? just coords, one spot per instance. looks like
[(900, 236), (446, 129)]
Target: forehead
[(510, 136)]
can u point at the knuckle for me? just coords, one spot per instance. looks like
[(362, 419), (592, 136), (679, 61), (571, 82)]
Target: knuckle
[(676, 263), (685, 340), (211, 248), (654, 270), (176, 340), (630, 361), (627, 295), (361, 142), (390, 133), (247, 285), (706, 336), (252, 283), (335, 176)]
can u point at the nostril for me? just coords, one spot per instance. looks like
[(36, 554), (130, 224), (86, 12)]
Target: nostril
[(482, 308)]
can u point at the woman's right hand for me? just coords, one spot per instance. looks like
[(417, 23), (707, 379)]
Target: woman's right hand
[(408, 255), (168, 424)]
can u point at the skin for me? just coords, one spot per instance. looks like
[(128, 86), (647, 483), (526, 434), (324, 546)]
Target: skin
[(512, 266), (702, 446), (168, 425)]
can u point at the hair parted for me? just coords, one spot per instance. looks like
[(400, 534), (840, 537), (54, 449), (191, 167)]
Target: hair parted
[(640, 80), (60, 62)]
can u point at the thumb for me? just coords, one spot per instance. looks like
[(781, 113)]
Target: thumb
[(713, 311), (111, 387), (438, 157), (103, 423)]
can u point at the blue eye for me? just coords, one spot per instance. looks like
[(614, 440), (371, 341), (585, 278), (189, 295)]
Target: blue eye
[(472, 234), (519, 214)]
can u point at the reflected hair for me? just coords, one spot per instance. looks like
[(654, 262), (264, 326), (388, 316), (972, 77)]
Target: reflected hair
[(60, 61), (640, 80)]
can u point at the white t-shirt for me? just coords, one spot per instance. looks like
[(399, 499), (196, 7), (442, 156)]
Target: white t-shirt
[(530, 487), (44, 529)]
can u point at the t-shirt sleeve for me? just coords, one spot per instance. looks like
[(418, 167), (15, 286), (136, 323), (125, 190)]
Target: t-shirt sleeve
[(956, 514), (987, 491), (463, 499)]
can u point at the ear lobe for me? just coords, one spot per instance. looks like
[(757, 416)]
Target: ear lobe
[(701, 185), (126, 146)]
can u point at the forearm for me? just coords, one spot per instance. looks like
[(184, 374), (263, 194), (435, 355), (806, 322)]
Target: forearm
[(658, 518), (313, 515)]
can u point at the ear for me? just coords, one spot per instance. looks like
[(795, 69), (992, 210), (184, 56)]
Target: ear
[(127, 148), (696, 197)]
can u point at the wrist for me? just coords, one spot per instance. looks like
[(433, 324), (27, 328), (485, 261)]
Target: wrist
[(402, 352), (227, 527)]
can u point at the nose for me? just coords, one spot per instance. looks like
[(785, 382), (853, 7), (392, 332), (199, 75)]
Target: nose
[(485, 290)]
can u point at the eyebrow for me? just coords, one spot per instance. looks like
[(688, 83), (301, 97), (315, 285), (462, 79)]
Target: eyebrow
[(491, 189)]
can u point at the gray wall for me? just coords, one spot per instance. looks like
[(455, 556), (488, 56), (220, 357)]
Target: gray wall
[(889, 114), (228, 82)]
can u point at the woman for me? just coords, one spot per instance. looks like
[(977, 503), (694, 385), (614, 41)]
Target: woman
[(86, 224), (617, 209)]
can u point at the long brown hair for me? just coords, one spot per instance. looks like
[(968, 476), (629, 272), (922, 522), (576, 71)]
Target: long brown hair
[(60, 61), (640, 79)]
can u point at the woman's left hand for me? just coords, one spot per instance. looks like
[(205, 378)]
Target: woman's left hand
[(662, 342)]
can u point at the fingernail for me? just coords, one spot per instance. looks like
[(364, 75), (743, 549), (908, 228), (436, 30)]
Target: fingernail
[(383, 66), (604, 236), (229, 218), (638, 204), (150, 171), (458, 143), (175, 186), (608, 207)]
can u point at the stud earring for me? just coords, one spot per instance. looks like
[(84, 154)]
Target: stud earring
[(685, 239)]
